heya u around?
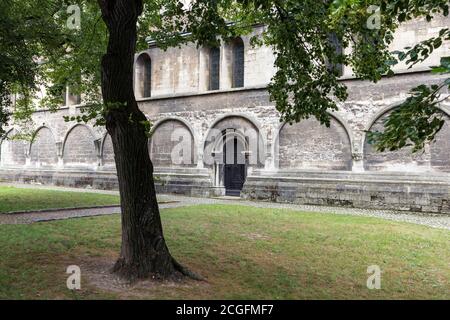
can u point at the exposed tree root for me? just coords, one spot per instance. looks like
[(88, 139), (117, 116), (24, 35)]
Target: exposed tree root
[(186, 272), (135, 272)]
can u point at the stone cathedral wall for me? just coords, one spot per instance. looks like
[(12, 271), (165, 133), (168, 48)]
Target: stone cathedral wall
[(302, 163)]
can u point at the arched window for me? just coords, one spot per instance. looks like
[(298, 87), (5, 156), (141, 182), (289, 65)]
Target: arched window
[(336, 68), (238, 63), (143, 80), (214, 69)]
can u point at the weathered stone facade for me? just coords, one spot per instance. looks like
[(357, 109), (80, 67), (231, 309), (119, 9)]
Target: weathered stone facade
[(302, 163)]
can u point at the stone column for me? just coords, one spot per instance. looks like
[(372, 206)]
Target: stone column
[(98, 151), (357, 158), (199, 138), (269, 164), (27, 157), (218, 160), (59, 149), (200, 150)]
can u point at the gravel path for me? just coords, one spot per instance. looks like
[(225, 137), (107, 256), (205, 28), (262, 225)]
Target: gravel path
[(441, 221), (39, 216)]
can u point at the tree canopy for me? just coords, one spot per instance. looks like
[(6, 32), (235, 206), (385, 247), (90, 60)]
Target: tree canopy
[(22, 36)]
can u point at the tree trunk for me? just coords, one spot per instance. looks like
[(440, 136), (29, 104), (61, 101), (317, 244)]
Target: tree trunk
[(144, 252)]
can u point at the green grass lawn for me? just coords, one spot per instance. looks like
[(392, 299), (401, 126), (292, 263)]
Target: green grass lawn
[(244, 252), (21, 199)]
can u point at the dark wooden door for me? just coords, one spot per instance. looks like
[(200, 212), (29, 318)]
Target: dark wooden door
[(234, 168)]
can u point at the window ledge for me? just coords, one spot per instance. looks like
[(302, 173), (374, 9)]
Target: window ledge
[(203, 93)]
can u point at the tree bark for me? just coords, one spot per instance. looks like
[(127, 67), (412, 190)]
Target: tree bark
[(144, 252)]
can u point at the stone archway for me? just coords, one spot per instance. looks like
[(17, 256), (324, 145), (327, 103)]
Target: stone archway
[(172, 144), (43, 149), (233, 147), (13, 152), (79, 147), (310, 145), (434, 157)]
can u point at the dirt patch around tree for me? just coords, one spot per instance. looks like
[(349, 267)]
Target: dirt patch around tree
[(96, 273)]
